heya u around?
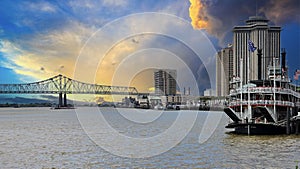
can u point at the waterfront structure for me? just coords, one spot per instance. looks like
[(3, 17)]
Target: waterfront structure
[(263, 36), (165, 82), (224, 70), (209, 92), (261, 100), (173, 99), (265, 106)]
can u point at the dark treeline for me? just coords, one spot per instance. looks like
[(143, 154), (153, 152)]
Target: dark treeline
[(26, 105)]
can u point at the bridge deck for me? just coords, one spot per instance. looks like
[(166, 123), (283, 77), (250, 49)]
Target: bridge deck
[(62, 84)]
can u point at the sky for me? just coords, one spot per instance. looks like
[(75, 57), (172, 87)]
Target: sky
[(120, 42)]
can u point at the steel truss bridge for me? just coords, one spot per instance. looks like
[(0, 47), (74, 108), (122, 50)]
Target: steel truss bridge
[(62, 86)]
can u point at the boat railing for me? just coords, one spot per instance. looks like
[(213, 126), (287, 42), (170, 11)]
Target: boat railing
[(262, 102), (266, 90)]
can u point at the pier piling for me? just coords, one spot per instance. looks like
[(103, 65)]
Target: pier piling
[(288, 127), (297, 127)]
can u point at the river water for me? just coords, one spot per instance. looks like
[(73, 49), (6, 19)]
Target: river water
[(44, 138)]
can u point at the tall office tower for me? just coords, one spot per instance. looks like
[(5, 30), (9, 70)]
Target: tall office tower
[(165, 82), (224, 70), (265, 37)]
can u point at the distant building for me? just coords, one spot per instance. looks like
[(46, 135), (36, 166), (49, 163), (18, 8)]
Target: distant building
[(224, 70), (184, 100), (209, 92), (165, 82), (265, 37)]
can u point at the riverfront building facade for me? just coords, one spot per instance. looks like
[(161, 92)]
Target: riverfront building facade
[(165, 82), (224, 70), (265, 37), (238, 62)]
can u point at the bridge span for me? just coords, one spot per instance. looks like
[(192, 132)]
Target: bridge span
[(62, 86)]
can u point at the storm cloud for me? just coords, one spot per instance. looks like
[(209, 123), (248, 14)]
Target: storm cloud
[(218, 17)]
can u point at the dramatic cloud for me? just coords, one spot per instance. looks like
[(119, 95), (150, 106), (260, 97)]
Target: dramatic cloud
[(282, 12), (53, 48), (197, 14), (44, 55), (218, 17)]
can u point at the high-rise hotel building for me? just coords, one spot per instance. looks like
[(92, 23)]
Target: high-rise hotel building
[(265, 37), (229, 65), (224, 70), (165, 82)]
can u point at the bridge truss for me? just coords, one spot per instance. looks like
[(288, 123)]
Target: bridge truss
[(62, 84)]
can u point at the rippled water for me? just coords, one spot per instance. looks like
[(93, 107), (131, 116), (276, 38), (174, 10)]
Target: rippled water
[(44, 138)]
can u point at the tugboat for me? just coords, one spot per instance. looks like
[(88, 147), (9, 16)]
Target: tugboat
[(264, 107)]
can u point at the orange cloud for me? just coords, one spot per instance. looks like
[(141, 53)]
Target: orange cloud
[(111, 61), (48, 54), (197, 15), (56, 52)]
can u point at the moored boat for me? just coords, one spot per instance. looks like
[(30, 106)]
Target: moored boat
[(264, 107)]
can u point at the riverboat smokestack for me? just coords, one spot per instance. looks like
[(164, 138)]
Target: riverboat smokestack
[(259, 56), (283, 58)]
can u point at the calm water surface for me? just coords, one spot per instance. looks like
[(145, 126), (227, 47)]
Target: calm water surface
[(44, 138)]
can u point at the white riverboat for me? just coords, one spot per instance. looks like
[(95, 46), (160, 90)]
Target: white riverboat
[(263, 107)]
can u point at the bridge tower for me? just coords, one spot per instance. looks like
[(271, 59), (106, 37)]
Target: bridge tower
[(62, 99), (65, 100), (62, 96), (60, 104)]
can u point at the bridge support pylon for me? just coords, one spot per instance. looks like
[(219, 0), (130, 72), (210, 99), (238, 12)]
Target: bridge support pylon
[(60, 104), (62, 100), (65, 100)]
